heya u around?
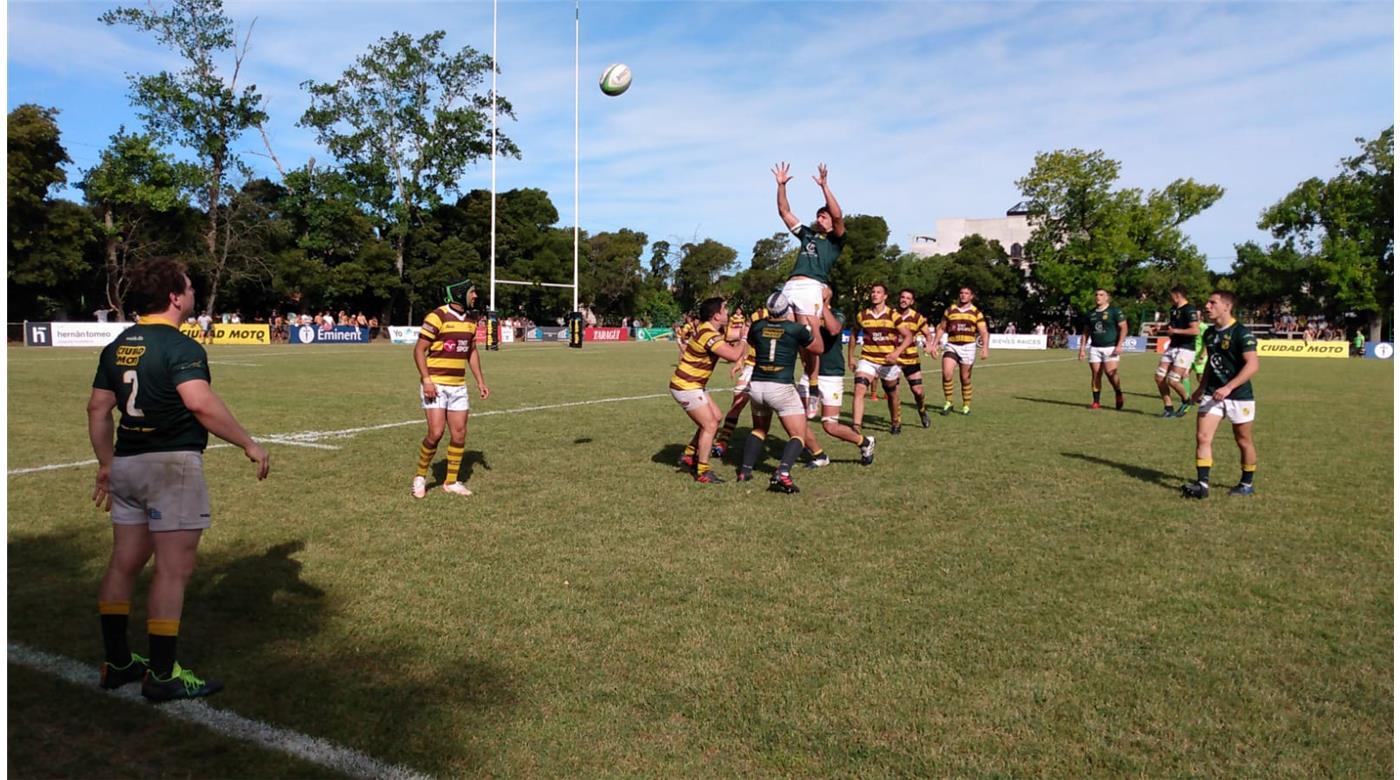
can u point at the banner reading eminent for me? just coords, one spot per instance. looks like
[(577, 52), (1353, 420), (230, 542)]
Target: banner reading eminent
[(342, 334), (1296, 348)]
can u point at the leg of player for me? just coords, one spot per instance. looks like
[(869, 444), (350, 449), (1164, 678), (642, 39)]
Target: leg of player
[(1164, 388), (1174, 381), (456, 448), (1205, 432), (965, 370), (731, 420), (950, 365), (427, 449), (796, 427), (132, 548), (753, 443), (892, 401), (1110, 369), (862, 386), (1244, 437), (707, 417), (916, 386), (1095, 380), (175, 558)]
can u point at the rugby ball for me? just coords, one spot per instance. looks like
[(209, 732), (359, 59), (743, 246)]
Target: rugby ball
[(616, 79)]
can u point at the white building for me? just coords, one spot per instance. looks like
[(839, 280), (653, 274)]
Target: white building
[(1011, 231)]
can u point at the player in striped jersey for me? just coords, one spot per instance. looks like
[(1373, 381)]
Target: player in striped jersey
[(684, 331), (698, 358), (831, 372), (965, 326), (917, 324), (446, 348), (742, 373), (883, 341)]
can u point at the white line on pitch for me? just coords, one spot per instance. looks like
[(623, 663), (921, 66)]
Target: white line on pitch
[(229, 724), (219, 446)]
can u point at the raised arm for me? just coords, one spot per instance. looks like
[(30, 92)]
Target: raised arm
[(780, 172), (838, 220)]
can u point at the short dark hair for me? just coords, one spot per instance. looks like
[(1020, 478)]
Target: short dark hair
[(152, 284), (882, 286), (1103, 290), (1226, 297), (710, 307), (912, 294), (967, 287), (825, 210), (1179, 290)]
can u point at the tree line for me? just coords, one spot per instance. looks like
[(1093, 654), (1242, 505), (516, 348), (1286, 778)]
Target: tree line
[(383, 228)]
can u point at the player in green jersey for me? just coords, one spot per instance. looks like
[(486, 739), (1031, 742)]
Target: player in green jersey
[(777, 341), (1176, 360), (1105, 328), (152, 478), (1226, 391), (831, 372)]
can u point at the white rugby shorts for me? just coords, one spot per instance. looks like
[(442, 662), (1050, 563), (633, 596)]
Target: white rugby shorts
[(885, 373), (1102, 355), (690, 400), (162, 490), (776, 397), (1179, 357), (1238, 412), (745, 376), (966, 354), (453, 398), (830, 388), (805, 294)]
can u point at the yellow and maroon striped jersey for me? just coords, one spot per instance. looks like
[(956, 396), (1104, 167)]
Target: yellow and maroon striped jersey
[(698, 360), (879, 334), (451, 338), (961, 324), (915, 323), (752, 355)]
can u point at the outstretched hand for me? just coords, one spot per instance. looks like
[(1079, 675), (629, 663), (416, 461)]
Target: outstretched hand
[(820, 178), (780, 172)]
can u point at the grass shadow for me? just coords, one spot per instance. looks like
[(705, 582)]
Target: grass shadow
[(1075, 405), (470, 460), (1141, 473)]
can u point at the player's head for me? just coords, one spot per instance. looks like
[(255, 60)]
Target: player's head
[(965, 295), (1101, 297), (778, 306), (906, 299), (161, 285), (462, 293), (712, 309), (1178, 295), (879, 293), (823, 223), (1220, 306)]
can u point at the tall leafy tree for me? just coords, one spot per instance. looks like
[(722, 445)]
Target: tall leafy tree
[(697, 274), (201, 110), (406, 120), (1344, 228), (612, 278)]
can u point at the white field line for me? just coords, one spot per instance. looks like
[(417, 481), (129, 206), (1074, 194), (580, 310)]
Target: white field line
[(218, 446), (223, 722)]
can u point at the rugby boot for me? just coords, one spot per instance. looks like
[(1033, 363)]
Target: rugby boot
[(923, 419), (867, 451), (896, 429), (947, 408), (966, 410), (1118, 401), (782, 483), (1242, 490), (1182, 410), (420, 487), (718, 450), (456, 489), (1195, 490), (686, 462), (181, 684), (113, 677), (744, 475), (1168, 413), (1095, 405), (816, 463), (708, 478)]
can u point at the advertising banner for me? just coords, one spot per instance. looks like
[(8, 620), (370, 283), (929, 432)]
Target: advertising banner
[(245, 333), (604, 334), (1130, 344), (72, 334), (653, 334), (507, 335), (403, 334), (551, 334), (1296, 348), (1016, 341), (1380, 350), (341, 334)]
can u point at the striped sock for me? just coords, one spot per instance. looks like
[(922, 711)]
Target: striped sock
[(948, 391), (163, 635), (454, 462), (967, 394), (425, 458), (114, 616), (690, 450), (702, 468)]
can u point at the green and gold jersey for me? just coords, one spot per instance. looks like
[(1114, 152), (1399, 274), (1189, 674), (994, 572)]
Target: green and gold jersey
[(144, 366), (777, 343), (1225, 349), (833, 358), (915, 323), (1102, 325), (816, 253), (1183, 316)]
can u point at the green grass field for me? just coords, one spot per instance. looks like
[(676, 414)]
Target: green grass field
[(1017, 593)]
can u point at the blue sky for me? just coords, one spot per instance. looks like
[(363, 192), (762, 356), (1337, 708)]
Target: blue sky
[(921, 110)]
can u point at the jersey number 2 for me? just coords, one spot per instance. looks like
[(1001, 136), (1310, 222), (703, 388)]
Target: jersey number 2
[(132, 410)]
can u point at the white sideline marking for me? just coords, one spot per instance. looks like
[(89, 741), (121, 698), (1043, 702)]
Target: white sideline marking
[(229, 724), (218, 446)]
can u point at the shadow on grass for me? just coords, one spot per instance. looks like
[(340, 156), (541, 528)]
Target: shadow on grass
[(1142, 473), (1076, 405), (252, 620), (464, 474)]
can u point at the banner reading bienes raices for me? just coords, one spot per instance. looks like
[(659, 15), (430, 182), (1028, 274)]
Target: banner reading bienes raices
[(1016, 341)]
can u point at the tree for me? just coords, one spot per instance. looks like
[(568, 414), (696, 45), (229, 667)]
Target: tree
[(1344, 229), (133, 185), (406, 120), (697, 274), (659, 269), (197, 109), (612, 278), (867, 259), (772, 261)]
